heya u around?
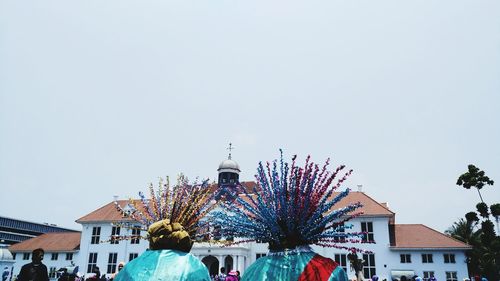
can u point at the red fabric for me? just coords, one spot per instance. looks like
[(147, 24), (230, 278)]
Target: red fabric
[(318, 269)]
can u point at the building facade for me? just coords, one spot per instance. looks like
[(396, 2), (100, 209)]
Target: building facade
[(399, 249)]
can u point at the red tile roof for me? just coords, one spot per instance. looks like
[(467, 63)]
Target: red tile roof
[(50, 242), (370, 206), (106, 213), (419, 236)]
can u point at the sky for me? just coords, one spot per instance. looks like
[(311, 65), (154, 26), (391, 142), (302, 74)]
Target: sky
[(101, 98)]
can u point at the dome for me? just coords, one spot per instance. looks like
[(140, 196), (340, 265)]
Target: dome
[(229, 164), (5, 254)]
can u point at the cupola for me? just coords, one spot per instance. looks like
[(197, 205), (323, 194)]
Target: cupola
[(229, 170)]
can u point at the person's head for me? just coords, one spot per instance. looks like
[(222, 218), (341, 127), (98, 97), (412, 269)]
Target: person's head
[(165, 235), (374, 278), (238, 273), (222, 270), (96, 271), (121, 265), (37, 255)]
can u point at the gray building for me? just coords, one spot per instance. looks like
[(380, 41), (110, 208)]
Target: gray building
[(13, 231)]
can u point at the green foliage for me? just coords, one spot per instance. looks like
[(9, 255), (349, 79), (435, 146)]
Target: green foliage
[(488, 232), (482, 209), (471, 217), (474, 177), (484, 258), (495, 210), (356, 263), (464, 230)]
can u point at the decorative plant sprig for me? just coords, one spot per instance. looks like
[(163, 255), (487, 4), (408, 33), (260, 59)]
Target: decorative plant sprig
[(182, 203), (289, 207)]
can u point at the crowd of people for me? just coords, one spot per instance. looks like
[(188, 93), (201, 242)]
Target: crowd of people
[(232, 275), (37, 271)]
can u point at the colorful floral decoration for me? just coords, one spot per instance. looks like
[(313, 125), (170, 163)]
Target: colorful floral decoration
[(183, 203), (290, 206)]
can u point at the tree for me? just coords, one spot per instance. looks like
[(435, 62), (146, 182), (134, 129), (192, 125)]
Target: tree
[(474, 177), (484, 258), (356, 265), (465, 230)]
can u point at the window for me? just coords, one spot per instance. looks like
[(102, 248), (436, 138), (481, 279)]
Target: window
[(26, 256), (451, 276), (369, 265), (14, 256), (136, 236), (96, 235), (112, 262), (340, 229), (69, 256), (259, 255), (341, 259), (132, 256), (428, 275), (427, 258), (405, 258), (92, 262), (449, 258), (52, 272), (367, 227), (54, 257), (115, 232)]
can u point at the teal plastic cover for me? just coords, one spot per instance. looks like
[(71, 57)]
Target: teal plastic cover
[(164, 265), (293, 267)]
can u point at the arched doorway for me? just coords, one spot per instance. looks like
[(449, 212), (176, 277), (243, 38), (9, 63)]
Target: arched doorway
[(228, 263), (212, 263)]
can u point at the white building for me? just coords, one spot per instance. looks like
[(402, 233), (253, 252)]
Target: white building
[(399, 249)]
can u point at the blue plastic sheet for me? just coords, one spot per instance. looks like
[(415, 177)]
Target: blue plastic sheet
[(164, 265)]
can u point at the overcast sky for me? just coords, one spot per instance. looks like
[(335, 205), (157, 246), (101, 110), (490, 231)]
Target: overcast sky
[(100, 98)]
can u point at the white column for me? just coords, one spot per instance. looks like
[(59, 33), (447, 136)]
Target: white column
[(236, 263), (221, 261), (241, 264)]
